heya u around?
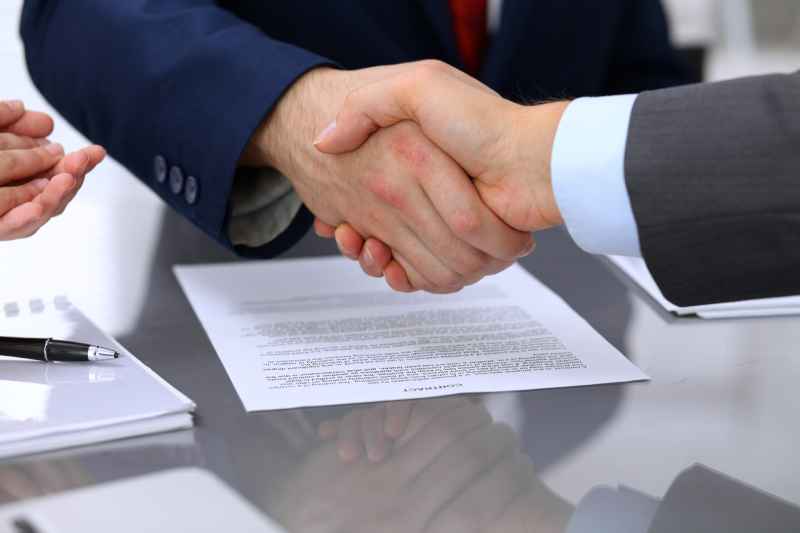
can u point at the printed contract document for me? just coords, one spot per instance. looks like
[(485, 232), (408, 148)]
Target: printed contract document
[(307, 332)]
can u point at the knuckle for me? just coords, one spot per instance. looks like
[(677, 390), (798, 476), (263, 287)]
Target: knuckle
[(387, 191), (465, 223), (449, 281), (350, 102), (9, 162), (407, 145), (476, 265), (431, 67)]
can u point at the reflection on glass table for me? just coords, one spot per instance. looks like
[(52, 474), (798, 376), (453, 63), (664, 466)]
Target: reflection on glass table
[(446, 465)]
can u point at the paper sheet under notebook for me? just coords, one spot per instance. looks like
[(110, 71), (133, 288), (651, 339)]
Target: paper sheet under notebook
[(637, 270), (320, 332), (48, 406)]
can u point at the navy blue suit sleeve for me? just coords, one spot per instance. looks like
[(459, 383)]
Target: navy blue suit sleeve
[(644, 58), (183, 79)]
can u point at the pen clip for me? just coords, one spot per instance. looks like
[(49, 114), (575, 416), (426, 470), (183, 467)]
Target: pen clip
[(44, 350)]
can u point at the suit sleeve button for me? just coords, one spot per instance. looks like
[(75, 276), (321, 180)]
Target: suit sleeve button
[(191, 190), (160, 168), (176, 180)]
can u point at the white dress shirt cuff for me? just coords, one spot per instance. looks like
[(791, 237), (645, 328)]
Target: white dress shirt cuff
[(588, 173)]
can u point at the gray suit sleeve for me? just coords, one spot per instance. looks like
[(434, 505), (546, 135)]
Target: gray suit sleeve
[(713, 173)]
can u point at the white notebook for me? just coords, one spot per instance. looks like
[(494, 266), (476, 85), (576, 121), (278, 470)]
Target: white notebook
[(49, 406), (637, 270)]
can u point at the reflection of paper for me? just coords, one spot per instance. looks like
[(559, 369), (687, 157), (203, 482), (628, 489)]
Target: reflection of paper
[(45, 406), (184, 499), (637, 270), (319, 332)]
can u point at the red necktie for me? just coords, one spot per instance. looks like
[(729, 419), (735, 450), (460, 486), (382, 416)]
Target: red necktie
[(469, 22)]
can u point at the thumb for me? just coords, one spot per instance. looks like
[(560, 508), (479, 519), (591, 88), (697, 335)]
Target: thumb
[(378, 105)]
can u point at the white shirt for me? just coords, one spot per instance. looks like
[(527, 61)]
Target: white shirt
[(588, 174)]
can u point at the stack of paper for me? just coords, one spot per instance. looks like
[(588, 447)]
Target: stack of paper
[(48, 406), (636, 269)]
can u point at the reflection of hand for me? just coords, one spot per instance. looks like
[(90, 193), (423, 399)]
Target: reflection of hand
[(36, 180), (30, 480), (397, 186), (451, 467), (368, 429), (503, 146)]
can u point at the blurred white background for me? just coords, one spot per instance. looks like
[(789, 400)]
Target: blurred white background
[(116, 212), (743, 37)]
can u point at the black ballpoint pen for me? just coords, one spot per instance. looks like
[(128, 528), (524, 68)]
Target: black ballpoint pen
[(51, 350)]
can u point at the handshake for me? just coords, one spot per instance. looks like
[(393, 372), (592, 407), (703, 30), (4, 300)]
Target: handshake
[(425, 176)]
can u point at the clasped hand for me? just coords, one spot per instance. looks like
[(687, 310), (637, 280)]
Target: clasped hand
[(502, 146), (37, 180), (398, 186)]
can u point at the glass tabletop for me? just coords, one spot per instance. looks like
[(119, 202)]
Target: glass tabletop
[(711, 440)]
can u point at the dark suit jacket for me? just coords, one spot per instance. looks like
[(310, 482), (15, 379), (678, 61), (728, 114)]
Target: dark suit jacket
[(190, 80), (703, 500), (713, 172)]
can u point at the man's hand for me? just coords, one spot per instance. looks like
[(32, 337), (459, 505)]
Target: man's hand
[(398, 187), (503, 146), (37, 180)]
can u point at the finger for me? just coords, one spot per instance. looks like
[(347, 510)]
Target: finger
[(460, 206), (56, 192), (449, 422), (78, 164), (32, 124), (416, 281), (421, 282), (348, 444), (326, 231), (18, 164), (397, 416), (372, 432), (412, 227), (375, 257), (396, 277), (424, 269), (75, 164), (425, 412), (20, 222), (9, 141), (11, 197), (483, 501), (349, 241), (460, 466), (96, 154), (10, 112)]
